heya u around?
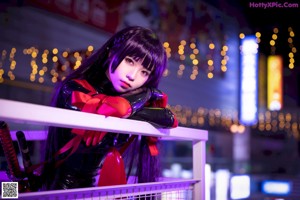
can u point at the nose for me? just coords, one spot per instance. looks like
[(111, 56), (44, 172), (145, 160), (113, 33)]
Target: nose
[(131, 75)]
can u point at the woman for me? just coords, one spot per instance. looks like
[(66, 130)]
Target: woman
[(119, 80)]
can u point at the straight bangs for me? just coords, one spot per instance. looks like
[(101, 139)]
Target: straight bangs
[(152, 59), (142, 55), (143, 46), (138, 53)]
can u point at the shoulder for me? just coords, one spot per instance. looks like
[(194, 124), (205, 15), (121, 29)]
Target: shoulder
[(74, 85)]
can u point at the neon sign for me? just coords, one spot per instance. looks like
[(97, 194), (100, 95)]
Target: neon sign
[(249, 84)]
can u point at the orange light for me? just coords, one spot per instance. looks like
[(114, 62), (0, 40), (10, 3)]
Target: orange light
[(274, 88)]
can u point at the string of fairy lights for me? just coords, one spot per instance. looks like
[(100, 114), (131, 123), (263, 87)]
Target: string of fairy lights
[(293, 49), (189, 55), (268, 121), (54, 65)]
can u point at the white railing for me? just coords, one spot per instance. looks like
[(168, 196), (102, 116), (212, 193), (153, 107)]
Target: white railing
[(33, 114)]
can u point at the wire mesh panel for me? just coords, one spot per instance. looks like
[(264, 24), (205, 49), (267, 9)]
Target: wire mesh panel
[(169, 190)]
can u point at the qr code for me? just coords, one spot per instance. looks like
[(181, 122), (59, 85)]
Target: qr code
[(9, 190)]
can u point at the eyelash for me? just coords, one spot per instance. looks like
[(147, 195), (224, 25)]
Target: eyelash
[(130, 60), (146, 73)]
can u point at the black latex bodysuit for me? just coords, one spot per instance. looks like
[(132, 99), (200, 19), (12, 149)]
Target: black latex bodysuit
[(81, 168)]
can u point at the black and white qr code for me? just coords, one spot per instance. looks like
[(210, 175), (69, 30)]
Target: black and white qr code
[(9, 190)]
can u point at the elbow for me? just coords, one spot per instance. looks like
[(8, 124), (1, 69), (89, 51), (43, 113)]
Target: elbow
[(175, 122)]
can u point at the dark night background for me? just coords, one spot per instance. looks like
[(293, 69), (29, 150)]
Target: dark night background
[(264, 20)]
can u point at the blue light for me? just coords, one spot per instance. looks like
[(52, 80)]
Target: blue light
[(276, 187), (249, 86)]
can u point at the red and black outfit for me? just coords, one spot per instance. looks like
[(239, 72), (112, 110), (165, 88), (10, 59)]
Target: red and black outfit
[(80, 168)]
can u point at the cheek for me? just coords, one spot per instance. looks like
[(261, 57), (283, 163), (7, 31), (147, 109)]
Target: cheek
[(120, 70), (116, 74), (142, 81), (113, 80)]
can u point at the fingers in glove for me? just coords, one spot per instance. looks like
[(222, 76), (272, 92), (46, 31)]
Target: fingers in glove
[(156, 94), (89, 138), (101, 137), (85, 136), (93, 137), (98, 138), (116, 107)]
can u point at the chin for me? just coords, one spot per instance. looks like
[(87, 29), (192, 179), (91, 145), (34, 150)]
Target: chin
[(120, 90)]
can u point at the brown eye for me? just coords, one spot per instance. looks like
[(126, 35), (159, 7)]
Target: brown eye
[(129, 60), (145, 73)]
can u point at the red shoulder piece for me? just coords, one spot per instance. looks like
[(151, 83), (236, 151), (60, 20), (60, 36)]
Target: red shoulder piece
[(86, 85)]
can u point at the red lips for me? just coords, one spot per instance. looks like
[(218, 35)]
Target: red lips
[(125, 85)]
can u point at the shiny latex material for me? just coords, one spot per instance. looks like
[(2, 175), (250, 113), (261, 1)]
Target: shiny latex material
[(138, 98), (81, 168), (93, 102), (145, 96), (115, 106), (161, 102), (159, 117), (113, 169)]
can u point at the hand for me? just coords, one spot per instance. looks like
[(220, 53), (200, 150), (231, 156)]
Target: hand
[(93, 137), (129, 103), (115, 106), (158, 98), (138, 98), (156, 94)]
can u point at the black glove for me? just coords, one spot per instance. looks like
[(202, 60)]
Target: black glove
[(139, 97), (159, 117)]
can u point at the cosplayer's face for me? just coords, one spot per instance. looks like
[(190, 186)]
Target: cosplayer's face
[(129, 75)]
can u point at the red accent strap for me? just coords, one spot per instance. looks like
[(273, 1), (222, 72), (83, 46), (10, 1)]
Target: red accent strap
[(152, 141), (90, 103), (86, 102), (175, 123), (72, 144)]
